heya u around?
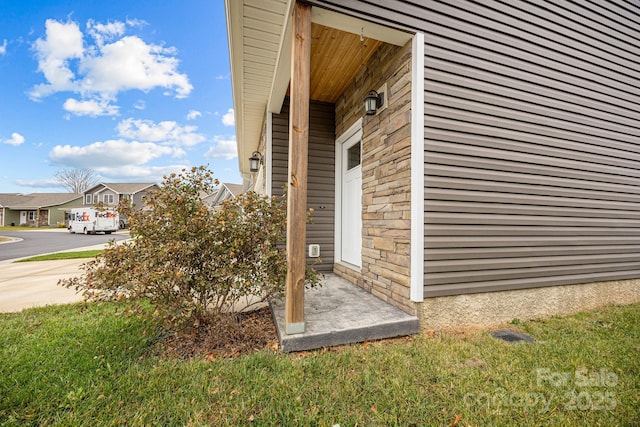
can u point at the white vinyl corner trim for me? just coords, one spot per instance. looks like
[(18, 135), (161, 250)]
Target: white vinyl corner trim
[(417, 169)]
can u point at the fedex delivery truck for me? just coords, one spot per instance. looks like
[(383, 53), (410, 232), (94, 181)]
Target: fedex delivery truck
[(92, 221)]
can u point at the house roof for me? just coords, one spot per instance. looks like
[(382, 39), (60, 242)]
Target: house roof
[(225, 191), (259, 34), (123, 187), (234, 189), (208, 199), (7, 199), (36, 200)]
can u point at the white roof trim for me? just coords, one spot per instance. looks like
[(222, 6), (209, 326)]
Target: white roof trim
[(283, 65), (358, 26), (255, 32)]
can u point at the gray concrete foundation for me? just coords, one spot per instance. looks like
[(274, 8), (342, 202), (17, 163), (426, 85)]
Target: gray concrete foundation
[(494, 308)]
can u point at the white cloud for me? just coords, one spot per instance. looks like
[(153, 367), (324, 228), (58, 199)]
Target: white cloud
[(15, 140), (140, 142), (193, 114), (222, 148), (105, 32), (3, 48), (140, 105), (130, 63), (63, 43), (165, 132), (229, 119), (136, 22), (38, 183), (91, 108), (99, 70), (110, 154), (134, 172)]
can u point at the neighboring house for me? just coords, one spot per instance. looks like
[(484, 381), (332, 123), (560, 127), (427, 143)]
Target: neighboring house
[(500, 177), (37, 209), (209, 199), (110, 194), (226, 191), (5, 198)]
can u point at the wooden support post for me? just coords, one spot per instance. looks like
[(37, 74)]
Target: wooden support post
[(298, 160)]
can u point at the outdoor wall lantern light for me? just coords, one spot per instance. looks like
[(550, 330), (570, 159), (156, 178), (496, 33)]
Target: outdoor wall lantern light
[(255, 161), (372, 102)]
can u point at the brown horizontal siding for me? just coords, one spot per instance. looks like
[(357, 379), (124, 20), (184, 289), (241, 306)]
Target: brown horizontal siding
[(471, 158), (530, 282), (498, 253), (503, 273), (532, 139), (532, 150), (519, 230), (530, 185), (484, 265), (321, 172)]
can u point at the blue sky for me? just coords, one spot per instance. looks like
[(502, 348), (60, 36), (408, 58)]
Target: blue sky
[(131, 89)]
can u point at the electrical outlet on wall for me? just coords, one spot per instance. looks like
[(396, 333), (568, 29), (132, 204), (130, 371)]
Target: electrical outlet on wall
[(314, 251)]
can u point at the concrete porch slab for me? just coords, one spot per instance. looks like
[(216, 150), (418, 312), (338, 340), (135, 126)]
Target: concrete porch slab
[(341, 313)]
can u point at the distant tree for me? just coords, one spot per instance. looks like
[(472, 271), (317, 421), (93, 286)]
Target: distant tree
[(76, 180)]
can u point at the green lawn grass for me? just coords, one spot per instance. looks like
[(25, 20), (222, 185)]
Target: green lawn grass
[(27, 228), (64, 255), (91, 365)]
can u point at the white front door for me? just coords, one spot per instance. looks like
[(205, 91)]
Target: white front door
[(23, 217), (351, 200)]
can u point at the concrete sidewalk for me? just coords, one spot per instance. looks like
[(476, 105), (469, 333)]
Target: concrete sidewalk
[(34, 284)]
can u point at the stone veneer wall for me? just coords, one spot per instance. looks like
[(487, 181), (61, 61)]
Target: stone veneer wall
[(386, 175)]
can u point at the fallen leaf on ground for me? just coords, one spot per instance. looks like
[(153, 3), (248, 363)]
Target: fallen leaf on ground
[(211, 356)]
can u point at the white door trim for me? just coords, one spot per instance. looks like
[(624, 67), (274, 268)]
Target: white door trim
[(351, 214), (353, 129)]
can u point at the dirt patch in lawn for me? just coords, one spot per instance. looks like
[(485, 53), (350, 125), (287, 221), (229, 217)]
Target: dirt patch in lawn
[(230, 336)]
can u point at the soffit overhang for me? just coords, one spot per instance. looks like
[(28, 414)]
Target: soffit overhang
[(259, 35)]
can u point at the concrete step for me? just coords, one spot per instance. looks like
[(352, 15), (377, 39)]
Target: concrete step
[(340, 313)]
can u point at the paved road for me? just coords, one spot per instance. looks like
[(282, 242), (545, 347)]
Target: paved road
[(44, 242)]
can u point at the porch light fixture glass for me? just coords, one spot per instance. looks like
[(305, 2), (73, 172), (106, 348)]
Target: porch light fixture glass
[(255, 161), (372, 102)]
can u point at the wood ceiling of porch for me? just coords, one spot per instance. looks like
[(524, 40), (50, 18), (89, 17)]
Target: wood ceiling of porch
[(336, 60)]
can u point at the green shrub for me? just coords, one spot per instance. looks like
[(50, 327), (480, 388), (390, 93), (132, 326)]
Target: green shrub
[(190, 260)]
